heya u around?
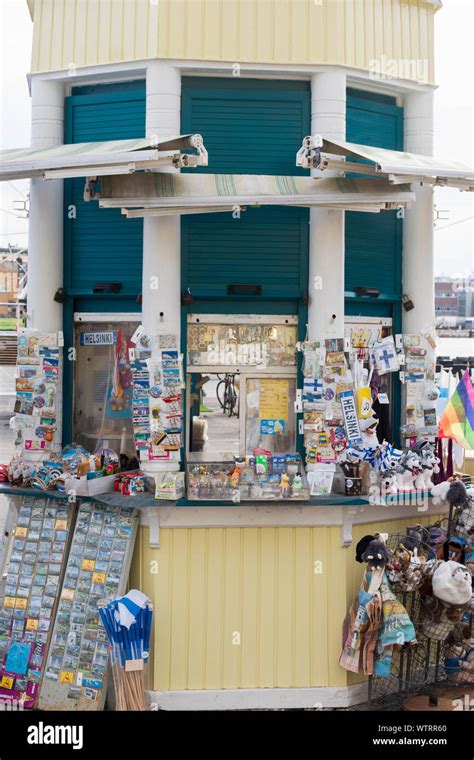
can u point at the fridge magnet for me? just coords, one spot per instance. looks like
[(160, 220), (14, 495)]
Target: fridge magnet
[(18, 657), (351, 422), (384, 356)]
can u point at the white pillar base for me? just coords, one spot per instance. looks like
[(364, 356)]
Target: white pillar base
[(258, 699)]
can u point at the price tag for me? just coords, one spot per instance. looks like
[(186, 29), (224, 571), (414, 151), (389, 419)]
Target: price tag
[(383, 398)]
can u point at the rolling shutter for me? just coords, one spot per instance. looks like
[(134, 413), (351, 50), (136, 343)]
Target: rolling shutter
[(373, 255), (250, 127), (100, 244)]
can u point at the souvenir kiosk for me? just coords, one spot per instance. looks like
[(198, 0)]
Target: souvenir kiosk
[(270, 444)]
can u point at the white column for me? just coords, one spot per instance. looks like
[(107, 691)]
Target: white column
[(161, 302), (161, 288), (418, 242), (326, 237), (45, 231)]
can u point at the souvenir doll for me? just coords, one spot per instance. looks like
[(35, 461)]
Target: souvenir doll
[(284, 485)]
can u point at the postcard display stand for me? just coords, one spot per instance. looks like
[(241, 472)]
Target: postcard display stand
[(38, 389), (157, 411), (53, 647), (31, 593), (97, 569)]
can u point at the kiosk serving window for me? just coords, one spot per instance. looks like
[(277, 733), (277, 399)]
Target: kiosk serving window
[(241, 420)]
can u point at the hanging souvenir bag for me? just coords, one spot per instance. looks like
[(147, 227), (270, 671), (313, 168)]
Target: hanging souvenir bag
[(361, 626), (395, 631)]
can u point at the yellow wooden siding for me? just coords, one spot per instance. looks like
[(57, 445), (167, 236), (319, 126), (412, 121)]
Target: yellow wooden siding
[(241, 608), (352, 33)]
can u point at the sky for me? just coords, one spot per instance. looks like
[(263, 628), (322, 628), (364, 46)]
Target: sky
[(454, 123)]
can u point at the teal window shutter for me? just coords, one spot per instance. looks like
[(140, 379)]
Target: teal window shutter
[(250, 127), (100, 244), (373, 242)]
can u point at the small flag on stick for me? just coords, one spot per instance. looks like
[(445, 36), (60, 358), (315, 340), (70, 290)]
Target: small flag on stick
[(127, 622)]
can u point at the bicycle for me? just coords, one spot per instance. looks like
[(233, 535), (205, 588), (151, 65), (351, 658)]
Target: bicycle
[(227, 395)]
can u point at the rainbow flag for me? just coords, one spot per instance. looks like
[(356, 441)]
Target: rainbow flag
[(457, 420)]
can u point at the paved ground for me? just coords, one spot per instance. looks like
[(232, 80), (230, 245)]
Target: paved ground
[(222, 431)]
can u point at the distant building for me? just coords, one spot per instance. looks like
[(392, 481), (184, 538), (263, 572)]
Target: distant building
[(454, 297), (13, 262)]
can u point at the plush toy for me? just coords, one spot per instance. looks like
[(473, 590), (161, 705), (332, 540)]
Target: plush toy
[(368, 431), (297, 485), (406, 568), (407, 470), (452, 491), (388, 482), (376, 554), (452, 583), (429, 466), (439, 617), (284, 485), (362, 546), (403, 555), (414, 537), (454, 548)]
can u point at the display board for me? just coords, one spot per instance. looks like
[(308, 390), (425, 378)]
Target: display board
[(97, 569), (33, 582), (38, 389)]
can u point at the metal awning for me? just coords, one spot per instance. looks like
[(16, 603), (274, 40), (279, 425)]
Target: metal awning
[(396, 166), (102, 158), (157, 193)]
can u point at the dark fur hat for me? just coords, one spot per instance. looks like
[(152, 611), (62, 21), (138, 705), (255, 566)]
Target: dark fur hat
[(376, 554)]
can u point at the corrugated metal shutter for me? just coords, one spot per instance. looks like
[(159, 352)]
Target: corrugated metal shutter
[(100, 244), (374, 241), (250, 126)]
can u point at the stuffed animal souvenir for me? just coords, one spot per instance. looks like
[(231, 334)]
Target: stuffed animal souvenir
[(414, 536), (407, 470), (368, 431), (388, 483), (406, 568), (297, 485), (454, 548), (452, 491), (452, 583), (376, 554), (429, 467), (362, 546), (447, 594), (284, 485)]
